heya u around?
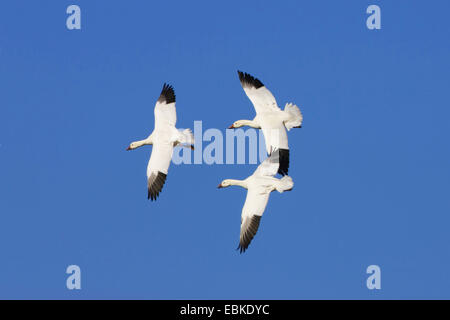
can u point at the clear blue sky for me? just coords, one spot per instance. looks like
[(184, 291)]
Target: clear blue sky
[(370, 165)]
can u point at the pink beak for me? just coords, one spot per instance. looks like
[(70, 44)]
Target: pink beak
[(219, 186), (128, 148)]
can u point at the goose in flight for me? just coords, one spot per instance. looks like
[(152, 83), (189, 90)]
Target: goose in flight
[(259, 186), (164, 138), (270, 118)]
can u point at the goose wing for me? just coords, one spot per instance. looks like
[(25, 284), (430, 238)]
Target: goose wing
[(276, 139), (158, 167), (254, 206), (165, 111), (262, 99), (269, 167)]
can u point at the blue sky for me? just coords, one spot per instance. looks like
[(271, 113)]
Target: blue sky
[(370, 164)]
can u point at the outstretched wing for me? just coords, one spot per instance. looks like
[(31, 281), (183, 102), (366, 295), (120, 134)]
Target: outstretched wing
[(165, 111), (254, 206), (276, 139), (269, 167), (262, 99), (158, 167)]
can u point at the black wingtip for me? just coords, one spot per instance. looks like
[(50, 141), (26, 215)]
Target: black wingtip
[(167, 94), (241, 249), (284, 162), (249, 234), (249, 81), (155, 185)]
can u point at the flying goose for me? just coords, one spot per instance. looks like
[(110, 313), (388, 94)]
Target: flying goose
[(164, 138), (270, 118), (259, 186)]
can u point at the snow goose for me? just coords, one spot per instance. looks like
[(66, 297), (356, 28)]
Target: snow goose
[(259, 186), (164, 138), (270, 118)]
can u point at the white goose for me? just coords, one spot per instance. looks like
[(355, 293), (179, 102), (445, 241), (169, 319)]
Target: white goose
[(259, 186), (270, 118), (164, 138)]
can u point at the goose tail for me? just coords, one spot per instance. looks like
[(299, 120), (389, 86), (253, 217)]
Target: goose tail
[(295, 117), (285, 184)]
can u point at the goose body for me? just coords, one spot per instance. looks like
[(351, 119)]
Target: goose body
[(259, 186), (270, 118), (164, 138)]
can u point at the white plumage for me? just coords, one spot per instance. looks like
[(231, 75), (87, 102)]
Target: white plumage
[(164, 138), (270, 118), (259, 186)]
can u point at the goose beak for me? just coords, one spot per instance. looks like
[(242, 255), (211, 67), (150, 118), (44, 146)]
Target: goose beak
[(128, 149), (231, 127), (219, 186)]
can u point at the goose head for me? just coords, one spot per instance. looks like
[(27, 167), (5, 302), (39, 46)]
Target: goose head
[(132, 146), (224, 184), (237, 124)]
